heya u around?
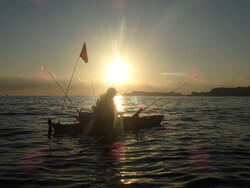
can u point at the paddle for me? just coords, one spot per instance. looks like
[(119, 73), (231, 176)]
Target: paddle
[(142, 109)]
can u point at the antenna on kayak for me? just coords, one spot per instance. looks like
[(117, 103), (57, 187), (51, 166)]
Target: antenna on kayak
[(142, 109)]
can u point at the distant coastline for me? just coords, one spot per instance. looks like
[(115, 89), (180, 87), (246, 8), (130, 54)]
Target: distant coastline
[(238, 91), (145, 93)]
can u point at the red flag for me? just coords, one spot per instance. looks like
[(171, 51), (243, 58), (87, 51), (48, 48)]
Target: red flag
[(83, 54)]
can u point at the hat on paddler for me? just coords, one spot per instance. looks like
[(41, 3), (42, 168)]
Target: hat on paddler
[(112, 90)]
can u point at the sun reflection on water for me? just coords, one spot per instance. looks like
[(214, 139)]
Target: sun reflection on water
[(119, 102)]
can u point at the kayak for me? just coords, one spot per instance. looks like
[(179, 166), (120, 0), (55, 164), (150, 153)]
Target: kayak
[(87, 124)]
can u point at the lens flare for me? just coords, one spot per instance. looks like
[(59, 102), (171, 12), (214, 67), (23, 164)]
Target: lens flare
[(117, 151), (119, 103), (203, 160), (174, 74), (118, 4), (32, 161), (39, 2)]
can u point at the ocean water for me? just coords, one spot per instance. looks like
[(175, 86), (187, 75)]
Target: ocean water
[(203, 142)]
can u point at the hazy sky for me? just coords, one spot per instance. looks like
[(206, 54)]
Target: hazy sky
[(162, 42)]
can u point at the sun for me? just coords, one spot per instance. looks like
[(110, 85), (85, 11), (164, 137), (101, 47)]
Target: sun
[(117, 71)]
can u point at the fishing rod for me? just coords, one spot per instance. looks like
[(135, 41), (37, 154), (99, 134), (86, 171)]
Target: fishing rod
[(60, 87), (142, 109), (66, 94)]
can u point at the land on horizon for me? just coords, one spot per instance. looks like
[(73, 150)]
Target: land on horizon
[(221, 91)]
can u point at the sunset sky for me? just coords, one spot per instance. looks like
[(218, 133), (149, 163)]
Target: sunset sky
[(150, 45)]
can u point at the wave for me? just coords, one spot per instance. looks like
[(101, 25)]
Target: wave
[(196, 147), (211, 182)]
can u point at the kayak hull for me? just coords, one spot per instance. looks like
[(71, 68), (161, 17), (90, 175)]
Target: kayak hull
[(87, 124)]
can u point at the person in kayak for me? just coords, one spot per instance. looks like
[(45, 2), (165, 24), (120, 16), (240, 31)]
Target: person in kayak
[(105, 109)]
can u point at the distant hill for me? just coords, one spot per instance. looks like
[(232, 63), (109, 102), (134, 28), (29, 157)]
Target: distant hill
[(144, 93), (239, 91)]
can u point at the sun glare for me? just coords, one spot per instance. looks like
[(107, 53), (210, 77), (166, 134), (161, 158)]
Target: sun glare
[(119, 103), (118, 71)]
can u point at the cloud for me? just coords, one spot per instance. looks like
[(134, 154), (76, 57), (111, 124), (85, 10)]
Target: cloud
[(37, 85), (17, 82), (44, 85)]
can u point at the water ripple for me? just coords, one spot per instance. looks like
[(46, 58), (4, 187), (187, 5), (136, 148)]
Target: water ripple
[(203, 142)]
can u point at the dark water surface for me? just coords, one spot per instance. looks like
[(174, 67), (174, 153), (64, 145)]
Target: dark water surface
[(203, 142)]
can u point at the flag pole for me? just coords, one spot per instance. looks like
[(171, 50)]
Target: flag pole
[(84, 56)]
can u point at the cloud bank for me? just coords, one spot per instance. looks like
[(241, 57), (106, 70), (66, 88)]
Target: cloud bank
[(18, 85), (30, 86)]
